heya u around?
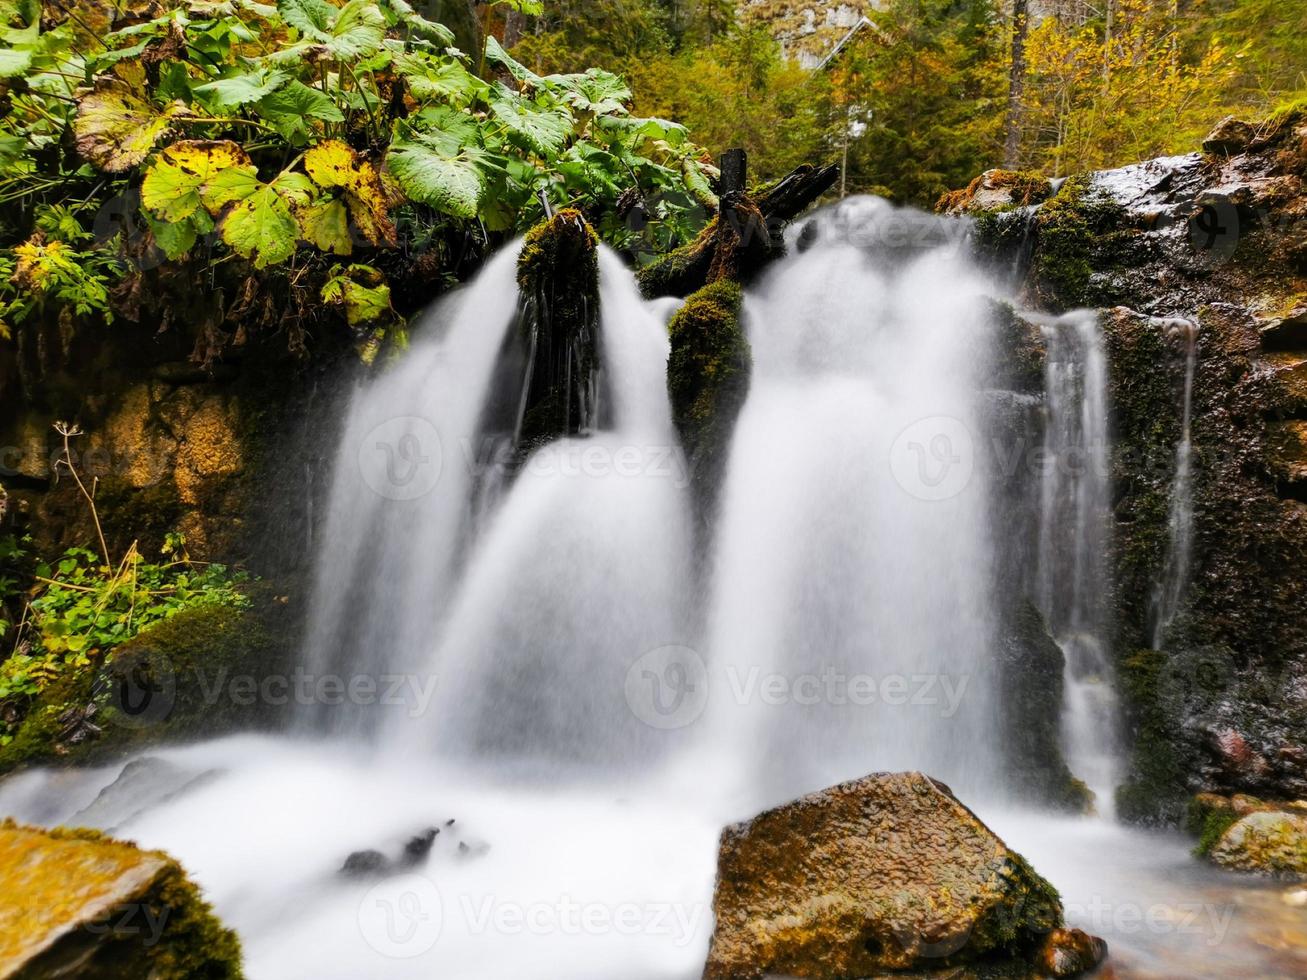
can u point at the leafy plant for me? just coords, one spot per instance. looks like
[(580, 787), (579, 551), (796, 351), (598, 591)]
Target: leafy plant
[(285, 135)]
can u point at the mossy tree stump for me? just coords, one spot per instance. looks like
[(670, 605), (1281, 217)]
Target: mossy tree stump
[(558, 274)]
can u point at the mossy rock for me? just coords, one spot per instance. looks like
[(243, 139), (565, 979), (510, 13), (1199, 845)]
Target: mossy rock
[(1078, 232), (682, 270), (708, 376), (82, 904), (176, 680), (997, 189), (1266, 842), (885, 873), (1210, 816)]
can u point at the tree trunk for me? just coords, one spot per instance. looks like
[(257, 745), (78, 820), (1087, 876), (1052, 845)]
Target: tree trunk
[(1016, 83)]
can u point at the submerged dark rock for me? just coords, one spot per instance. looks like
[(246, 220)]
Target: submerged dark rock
[(885, 873)]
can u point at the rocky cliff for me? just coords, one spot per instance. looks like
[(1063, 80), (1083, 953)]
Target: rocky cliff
[(1208, 248)]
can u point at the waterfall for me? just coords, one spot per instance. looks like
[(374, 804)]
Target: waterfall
[(583, 571), (849, 625), (396, 517), (1073, 536), (1180, 524)]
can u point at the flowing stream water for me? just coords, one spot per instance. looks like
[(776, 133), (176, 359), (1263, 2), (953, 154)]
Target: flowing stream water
[(1073, 536), (584, 704)]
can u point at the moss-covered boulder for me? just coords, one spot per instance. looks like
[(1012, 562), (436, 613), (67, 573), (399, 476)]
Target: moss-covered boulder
[(708, 376), (201, 672), (1266, 841), (885, 873), (77, 904)]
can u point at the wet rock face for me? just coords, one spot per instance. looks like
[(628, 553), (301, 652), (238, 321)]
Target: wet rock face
[(888, 872)]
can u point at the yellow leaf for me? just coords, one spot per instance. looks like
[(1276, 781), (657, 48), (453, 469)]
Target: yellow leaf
[(174, 187), (326, 226), (333, 164)]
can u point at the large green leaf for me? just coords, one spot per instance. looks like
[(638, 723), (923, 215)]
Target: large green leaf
[(636, 128), (261, 227), (542, 130), (291, 110), (496, 55), (338, 33), (595, 91), (239, 90), (418, 24), (312, 18), (451, 183), (429, 77)]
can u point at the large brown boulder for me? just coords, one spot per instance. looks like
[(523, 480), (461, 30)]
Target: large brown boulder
[(888, 872)]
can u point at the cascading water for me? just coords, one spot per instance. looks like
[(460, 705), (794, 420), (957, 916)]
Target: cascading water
[(585, 567), (1180, 524), (1073, 527), (853, 554), (397, 516), (845, 624)]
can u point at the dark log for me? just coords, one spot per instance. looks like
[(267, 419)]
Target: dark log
[(734, 166), (744, 236)]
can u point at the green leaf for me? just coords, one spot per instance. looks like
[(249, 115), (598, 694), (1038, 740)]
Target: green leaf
[(364, 293), (312, 18), (289, 110), (243, 89), (261, 227), (358, 30), (543, 131), (447, 129), (674, 134), (595, 91), (174, 238), (427, 173), (299, 100), (496, 55), (14, 62), (418, 24), (232, 184), (343, 34)]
